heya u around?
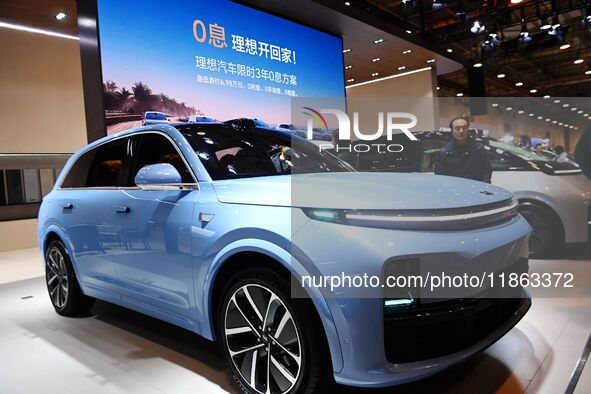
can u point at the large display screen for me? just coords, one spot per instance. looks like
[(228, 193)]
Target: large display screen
[(193, 60)]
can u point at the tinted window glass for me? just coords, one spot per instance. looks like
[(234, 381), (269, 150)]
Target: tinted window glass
[(154, 149), (501, 160), (14, 187), (155, 116), (228, 153), (2, 189), (107, 165), (78, 174)]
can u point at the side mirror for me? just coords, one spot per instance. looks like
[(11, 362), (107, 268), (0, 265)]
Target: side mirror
[(162, 176)]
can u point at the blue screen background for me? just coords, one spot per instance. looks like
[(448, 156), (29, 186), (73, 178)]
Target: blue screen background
[(153, 42)]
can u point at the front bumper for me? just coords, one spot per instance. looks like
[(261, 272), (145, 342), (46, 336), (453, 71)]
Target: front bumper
[(332, 249)]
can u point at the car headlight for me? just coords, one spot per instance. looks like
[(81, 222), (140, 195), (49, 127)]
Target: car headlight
[(423, 219)]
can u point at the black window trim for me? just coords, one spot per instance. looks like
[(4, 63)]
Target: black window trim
[(118, 138)]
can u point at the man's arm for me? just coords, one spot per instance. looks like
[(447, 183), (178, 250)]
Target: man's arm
[(439, 166)]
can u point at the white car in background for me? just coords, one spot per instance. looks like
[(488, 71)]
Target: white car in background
[(555, 198), (154, 117)]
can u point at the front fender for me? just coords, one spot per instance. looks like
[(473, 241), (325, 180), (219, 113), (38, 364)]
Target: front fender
[(289, 262)]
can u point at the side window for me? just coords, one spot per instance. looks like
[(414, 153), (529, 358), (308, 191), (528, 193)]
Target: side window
[(78, 174), (107, 166), (154, 149)]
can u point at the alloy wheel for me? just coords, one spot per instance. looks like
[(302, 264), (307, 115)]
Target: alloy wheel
[(56, 276), (262, 339)]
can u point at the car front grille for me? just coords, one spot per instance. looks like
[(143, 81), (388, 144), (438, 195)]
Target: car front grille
[(440, 328)]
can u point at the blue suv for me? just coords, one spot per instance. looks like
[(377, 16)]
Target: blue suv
[(214, 229)]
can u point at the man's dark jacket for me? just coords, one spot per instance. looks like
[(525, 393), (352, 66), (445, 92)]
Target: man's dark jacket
[(465, 161), (583, 152)]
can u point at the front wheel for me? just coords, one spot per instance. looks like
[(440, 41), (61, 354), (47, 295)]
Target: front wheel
[(264, 338)]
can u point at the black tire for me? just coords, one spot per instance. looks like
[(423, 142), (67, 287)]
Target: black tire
[(232, 315), (547, 237), (62, 286)]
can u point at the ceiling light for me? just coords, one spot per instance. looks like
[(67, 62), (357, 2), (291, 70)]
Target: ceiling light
[(531, 114), (579, 61), (375, 74), (406, 52), (459, 94), (346, 50), (579, 112), (477, 27), (573, 109), (60, 16), (547, 119), (408, 4), (438, 88), (501, 75), (431, 61), (516, 1), (438, 4), (495, 104), (408, 31), (487, 46), (348, 67), (540, 117), (546, 96), (449, 50), (560, 124), (401, 68), (377, 59), (565, 105), (586, 21), (565, 46), (509, 108), (524, 36), (554, 121), (520, 112), (347, 3), (587, 72), (378, 41), (556, 101), (38, 31), (519, 84), (533, 91), (494, 36), (350, 80), (477, 65)]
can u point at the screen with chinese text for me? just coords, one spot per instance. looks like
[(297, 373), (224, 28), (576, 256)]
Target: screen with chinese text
[(202, 61)]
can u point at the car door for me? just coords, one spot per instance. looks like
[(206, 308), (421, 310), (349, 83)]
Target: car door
[(153, 259), (84, 196)]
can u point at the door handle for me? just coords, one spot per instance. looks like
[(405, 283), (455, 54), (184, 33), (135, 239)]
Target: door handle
[(68, 206), (122, 209)]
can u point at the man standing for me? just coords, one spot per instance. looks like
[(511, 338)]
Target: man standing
[(583, 152), (462, 156)]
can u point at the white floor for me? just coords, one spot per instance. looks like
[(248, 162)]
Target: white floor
[(114, 350)]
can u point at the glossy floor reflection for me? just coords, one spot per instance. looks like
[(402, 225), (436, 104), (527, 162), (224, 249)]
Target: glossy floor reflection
[(114, 350)]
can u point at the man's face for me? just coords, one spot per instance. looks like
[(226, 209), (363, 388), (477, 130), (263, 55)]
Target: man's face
[(459, 130), (539, 149)]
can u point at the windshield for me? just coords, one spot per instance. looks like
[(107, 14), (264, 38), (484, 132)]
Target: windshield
[(260, 123), (155, 116), (227, 153), (520, 152)]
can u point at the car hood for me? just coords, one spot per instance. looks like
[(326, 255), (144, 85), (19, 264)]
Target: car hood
[(356, 190)]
